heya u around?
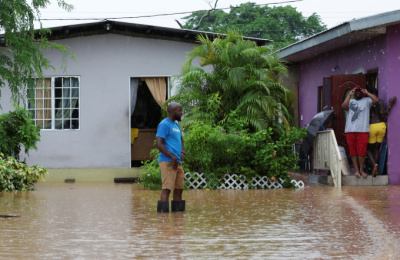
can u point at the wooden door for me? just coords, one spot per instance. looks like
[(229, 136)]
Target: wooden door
[(340, 87)]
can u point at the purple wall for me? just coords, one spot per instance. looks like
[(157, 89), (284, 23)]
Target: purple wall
[(352, 60), (393, 89), (381, 52)]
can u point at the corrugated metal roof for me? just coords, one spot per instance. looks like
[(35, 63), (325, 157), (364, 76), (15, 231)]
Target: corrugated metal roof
[(135, 30), (344, 34)]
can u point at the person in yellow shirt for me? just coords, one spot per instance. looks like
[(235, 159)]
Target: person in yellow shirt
[(377, 130)]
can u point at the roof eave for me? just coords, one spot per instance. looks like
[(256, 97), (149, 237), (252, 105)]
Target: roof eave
[(354, 26), (135, 30)]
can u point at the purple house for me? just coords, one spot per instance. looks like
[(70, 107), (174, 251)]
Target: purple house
[(324, 67)]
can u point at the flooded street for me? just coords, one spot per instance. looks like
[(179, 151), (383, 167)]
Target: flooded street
[(119, 221)]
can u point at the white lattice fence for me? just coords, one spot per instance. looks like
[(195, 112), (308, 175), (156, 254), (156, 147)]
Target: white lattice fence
[(232, 181)]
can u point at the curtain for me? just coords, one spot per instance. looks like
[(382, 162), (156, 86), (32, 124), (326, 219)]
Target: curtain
[(134, 89), (158, 89), (43, 103), (70, 97)]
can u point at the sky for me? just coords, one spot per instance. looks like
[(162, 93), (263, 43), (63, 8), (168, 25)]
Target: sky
[(331, 12)]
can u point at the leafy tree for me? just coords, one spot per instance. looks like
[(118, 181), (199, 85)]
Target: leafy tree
[(282, 24), (21, 49), (243, 75)]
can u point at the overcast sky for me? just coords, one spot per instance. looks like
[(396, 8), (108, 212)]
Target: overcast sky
[(332, 12)]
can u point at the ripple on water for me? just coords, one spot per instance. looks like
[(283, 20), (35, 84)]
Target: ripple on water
[(105, 220)]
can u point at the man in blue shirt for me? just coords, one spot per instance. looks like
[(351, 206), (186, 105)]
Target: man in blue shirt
[(170, 143)]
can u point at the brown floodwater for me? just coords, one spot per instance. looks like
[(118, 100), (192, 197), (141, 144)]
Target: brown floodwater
[(119, 221)]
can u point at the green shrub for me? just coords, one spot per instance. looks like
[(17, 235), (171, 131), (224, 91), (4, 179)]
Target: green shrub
[(215, 151), (150, 176), (18, 176), (228, 147), (17, 130), (274, 154)]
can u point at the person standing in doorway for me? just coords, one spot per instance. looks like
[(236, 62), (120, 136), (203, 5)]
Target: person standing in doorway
[(357, 126), (377, 129), (169, 142)]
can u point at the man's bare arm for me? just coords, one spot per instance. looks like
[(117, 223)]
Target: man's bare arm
[(346, 102)]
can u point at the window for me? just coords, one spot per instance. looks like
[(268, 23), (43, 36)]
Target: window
[(372, 80), (320, 99), (54, 102)]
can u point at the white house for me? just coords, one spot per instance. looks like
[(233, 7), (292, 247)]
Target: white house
[(106, 100)]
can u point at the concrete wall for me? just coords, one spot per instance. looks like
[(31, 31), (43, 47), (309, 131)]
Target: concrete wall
[(105, 65)]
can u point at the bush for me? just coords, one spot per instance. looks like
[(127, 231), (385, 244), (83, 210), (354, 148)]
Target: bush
[(228, 147), (17, 129), (17, 176), (150, 176), (216, 151)]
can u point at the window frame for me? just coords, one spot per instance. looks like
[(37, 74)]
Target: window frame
[(53, 99)]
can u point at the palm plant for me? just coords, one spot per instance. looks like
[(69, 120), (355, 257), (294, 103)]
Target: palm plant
[(242, 74)]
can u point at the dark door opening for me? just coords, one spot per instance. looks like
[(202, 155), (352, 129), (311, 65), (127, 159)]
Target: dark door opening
[(144, 121)]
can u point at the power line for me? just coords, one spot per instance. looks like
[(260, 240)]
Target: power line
[(157, 15)]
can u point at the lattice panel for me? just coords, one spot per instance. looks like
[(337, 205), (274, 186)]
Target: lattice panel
[(195, 180), (232, 181)]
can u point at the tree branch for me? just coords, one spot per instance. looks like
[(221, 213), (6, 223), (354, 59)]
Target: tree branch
[(201, 19), (206, 15), (180, 25)]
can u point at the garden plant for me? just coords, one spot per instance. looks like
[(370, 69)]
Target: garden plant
[(237, 115), (17, 131)]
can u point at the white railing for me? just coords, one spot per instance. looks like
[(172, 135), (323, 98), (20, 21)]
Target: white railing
[(327, 155)]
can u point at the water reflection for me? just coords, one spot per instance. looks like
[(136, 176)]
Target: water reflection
[(119, 221)]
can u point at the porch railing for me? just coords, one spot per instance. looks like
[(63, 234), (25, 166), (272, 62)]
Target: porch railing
[(327, 155)]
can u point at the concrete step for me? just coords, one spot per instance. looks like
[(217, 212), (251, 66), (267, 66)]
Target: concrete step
[(350, 180)]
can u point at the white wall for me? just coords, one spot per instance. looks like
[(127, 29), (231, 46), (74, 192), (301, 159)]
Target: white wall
[(105, 65)]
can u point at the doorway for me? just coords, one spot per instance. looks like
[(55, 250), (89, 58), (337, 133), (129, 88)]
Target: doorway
[(146, 114), (336, 89)]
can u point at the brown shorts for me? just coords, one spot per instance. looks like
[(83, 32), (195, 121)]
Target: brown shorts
[(171, 179)]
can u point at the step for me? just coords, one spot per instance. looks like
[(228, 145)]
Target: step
[(350, 180)]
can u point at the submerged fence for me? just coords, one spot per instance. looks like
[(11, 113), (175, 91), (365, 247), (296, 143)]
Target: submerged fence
[(197, 180)]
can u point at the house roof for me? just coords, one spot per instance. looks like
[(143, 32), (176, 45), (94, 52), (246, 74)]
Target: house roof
[(135, 30), (345, 34)]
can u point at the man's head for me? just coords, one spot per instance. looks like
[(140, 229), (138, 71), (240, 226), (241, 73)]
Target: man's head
[(358, 94), (174, 111)]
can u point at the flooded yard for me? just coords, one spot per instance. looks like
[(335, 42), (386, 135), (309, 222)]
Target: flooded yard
[(119, 221)]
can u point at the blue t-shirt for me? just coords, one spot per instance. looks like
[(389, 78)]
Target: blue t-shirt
[(171, 133)]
